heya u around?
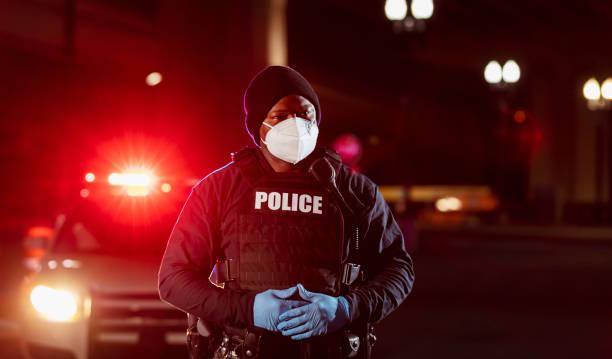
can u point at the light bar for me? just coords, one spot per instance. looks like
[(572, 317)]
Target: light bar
[(137, 184), (129, 179)]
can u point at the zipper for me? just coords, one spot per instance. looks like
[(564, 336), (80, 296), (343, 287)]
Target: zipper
[(356, 239)]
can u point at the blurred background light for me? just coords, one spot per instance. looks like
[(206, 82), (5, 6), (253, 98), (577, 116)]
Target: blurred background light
[(448, 204), (511, 72), (396, 9), (137, 179), (129, 179), (154, 78), (591, 89), (374, 140), (349, 147), (166, 187), (606, 89), (493, 72), (56, 305), (422, 9), (137, 191), (90, 177), (520, 116), (84, 193), (71, 263), (114, 179)]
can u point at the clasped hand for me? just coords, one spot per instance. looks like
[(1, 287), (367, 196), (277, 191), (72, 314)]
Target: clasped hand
[(269, 305), (312, 315)]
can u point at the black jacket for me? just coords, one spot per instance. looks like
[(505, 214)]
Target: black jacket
[(196, 243)]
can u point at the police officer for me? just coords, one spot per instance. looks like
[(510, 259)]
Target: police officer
[(284, 250)]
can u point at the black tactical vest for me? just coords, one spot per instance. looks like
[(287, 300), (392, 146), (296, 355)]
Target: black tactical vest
[(289, 231)]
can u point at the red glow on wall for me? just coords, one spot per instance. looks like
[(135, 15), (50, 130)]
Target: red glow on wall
[(349, 148)]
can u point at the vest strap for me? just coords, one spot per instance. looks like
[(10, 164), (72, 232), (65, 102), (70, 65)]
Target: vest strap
[(225, 270), (249, 165)]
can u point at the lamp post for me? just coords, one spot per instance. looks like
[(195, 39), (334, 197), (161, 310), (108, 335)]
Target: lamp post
[(599, 100), (511, 169)]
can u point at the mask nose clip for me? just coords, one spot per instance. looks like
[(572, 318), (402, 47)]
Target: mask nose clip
[(295, 117)]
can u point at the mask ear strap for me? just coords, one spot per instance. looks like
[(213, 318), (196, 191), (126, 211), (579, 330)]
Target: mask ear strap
[(262, 140)]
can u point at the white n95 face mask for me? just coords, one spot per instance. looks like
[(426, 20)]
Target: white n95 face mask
[(292, 139)]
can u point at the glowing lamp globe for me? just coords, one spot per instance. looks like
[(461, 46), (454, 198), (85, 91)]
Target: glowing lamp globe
[(493, 72), (591, 90), (422, 9), (396, 9), (511, 72), (606, 89)]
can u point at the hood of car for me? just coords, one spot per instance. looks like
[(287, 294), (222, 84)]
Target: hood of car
[(102, 273)]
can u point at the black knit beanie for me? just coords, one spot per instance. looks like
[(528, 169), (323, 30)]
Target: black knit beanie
[(266, 88)]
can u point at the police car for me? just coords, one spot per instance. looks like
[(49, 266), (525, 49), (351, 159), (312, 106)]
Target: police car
[(95, 292)]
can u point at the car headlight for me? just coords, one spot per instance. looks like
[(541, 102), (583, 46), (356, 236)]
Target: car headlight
[(54, 304)]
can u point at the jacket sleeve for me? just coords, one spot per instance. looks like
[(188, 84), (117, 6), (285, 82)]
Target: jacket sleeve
[(389, 268), (187, 262)]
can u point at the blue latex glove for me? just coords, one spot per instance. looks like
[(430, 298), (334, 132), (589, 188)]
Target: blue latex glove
[(269, 305), (323, 314)]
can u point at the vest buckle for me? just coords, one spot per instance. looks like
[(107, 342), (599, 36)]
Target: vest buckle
[(350, 273), (225, 270)]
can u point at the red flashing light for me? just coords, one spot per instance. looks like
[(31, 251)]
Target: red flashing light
[(136, 184), (84, 193), (137, 191), (90, 177), (130, 179), (114, 179), (166, 187)]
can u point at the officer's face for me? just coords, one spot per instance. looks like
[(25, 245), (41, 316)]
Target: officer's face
[(288, 107)]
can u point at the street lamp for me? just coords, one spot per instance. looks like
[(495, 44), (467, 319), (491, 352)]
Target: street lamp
[(493, 72), (497, 75), (422, 9), (512, 154), (598, 97), (397, 12), (606, 89), (511, 72)]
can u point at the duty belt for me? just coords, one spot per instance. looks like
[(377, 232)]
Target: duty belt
[(238, 346)]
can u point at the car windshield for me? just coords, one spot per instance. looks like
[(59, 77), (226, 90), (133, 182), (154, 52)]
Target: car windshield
[(134, 227)]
